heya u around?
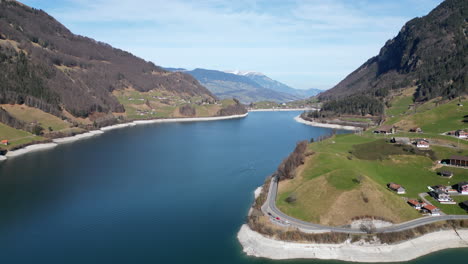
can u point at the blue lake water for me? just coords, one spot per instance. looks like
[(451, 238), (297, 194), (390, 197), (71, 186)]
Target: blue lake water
[(160, 193)]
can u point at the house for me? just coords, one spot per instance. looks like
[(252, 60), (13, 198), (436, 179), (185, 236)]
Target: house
[(401, 140), (461, 161), (461, 134), (396, 188), (4, 142), (416, 204), (441, 188), (441, 196), (431, 209), (463, 187), (447, 174), (416, 130), (421, 143), (385, 130)]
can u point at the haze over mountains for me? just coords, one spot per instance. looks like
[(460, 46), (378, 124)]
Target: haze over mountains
[(247, 87)]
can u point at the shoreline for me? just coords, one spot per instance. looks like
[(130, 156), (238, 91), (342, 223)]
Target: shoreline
[(255, 244), (317, 124), (89, 134), (280, 109)]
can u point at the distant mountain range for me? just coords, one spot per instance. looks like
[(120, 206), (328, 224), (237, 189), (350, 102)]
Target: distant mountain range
[(246, 86)]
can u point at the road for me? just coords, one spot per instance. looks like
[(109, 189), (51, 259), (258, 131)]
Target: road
[(270, 207)]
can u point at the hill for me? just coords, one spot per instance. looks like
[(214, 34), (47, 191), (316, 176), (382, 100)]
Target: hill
[(55, 83), (429, 53)]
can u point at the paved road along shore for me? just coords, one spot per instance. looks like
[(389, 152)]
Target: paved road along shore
[(270, 207)]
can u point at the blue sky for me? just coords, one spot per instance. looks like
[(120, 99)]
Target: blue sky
[(303, 43)]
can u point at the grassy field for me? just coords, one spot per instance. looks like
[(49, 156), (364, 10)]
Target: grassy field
[(157, 104), (347, 177), (16, 136), (29, 114), (430, 117)]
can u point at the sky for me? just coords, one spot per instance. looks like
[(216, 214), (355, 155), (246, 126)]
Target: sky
[(302, 43)]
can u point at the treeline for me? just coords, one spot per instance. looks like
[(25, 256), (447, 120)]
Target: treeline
[(234, 109), (287, 168), (355, 105)]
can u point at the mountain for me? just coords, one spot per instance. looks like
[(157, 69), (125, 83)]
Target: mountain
[(46, 66), (269, 83), (54, 83), (429, 53), (229, 85)]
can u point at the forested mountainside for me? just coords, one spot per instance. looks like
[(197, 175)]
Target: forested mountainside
[(44, 65), (429, 53)]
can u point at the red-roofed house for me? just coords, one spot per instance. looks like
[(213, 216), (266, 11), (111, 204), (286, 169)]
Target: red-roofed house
[(432, 209), (4, 142), (396, 188), (416, 204)]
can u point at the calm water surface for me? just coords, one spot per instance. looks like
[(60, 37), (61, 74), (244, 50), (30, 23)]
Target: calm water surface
[(161, 193)]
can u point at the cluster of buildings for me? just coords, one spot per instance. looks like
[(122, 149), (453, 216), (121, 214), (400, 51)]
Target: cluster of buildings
[(440, 192), (458, 133), (421, 143), (424, 207)]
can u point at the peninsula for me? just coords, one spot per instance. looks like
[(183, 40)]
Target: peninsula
[(396, 188)]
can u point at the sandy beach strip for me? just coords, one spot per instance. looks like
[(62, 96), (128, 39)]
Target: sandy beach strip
[(279, 110), (317, 124), (257, 245), (30, 148), (78, 137), (191, 119)]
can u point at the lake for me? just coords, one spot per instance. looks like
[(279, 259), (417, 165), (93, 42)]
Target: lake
[(158, 193)]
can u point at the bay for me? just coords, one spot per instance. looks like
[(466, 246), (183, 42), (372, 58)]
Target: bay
[(159, 193)]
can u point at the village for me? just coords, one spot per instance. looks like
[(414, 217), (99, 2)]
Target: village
[(441, 193)]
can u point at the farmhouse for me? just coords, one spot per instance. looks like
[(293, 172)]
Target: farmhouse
[(431, 209), (463, 187), (421, 143), (461, 161), (396, 188), (461, 134), (385, 130), (416, 204), (4, 142)]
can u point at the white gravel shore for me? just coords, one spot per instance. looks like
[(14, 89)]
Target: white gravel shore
[(317, 124), (78, 137), (191, 119), (30, 148), (89, 134), (257, 245), (279, 110)]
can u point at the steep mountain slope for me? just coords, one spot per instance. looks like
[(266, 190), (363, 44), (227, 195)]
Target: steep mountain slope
[(46, 66), (228, 85), (429, 52)]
